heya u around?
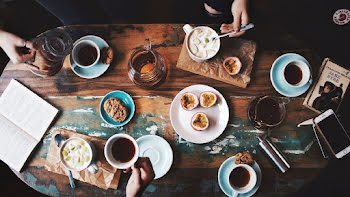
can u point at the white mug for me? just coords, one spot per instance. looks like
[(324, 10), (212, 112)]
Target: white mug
[(78, 46), (90, 165), (248, 187), (109, 156), (189, 30), (305, 73)]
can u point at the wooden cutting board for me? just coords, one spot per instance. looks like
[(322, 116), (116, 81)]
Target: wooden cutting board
[(243, 49)]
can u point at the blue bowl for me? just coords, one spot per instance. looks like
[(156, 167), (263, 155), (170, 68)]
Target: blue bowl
[(127, 101)]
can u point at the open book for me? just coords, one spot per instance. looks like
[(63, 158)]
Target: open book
[(24, 118)]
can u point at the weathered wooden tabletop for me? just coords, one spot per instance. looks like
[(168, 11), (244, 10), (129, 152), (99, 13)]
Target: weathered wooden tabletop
[(195, 167)]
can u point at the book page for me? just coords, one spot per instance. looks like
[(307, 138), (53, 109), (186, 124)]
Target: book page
[(15, 144), (26, 109)]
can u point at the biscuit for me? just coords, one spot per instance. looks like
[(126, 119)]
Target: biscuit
[(115, 109), (107, 55), (243, 158)]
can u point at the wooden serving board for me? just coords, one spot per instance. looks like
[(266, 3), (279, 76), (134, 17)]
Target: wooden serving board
[(243, 49)]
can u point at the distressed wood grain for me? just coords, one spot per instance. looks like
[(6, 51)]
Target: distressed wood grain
[(195, 167), (193, 164), (167, 39)]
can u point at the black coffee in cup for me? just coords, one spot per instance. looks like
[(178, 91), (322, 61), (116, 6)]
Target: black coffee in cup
[(123, 150), (239, 177), (293, 74), (87, 55)]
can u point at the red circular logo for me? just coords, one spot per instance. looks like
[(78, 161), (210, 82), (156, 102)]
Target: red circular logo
[(341, 17)]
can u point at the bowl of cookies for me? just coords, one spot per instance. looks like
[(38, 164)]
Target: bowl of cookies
[(117, 108)]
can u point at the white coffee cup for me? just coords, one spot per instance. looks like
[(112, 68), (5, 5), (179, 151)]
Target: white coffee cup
[(251, 182), (90, 165), (109, 155), (305, 73), (189, 30), (81, 45)]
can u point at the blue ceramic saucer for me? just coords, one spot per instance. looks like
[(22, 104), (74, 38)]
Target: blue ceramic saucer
[(96, 70), (276, 74), (158, 150), (127, 102), (226, 168)]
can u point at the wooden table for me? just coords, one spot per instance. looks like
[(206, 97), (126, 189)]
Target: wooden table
[(195, 167)]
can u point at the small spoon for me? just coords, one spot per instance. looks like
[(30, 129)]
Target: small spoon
[(243, 28), (59, 140)]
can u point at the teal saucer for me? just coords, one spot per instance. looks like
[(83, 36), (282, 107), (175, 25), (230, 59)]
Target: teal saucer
[(127, 102), (276, 74), (96, 70), (226, 168)]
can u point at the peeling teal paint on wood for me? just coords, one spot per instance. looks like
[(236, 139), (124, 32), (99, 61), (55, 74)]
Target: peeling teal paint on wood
[(50, 189), (238, 136)]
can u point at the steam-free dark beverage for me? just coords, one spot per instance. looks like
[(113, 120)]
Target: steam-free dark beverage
[(293, 74), (268, 111), (87, 55), (123, 150), (239, 177)]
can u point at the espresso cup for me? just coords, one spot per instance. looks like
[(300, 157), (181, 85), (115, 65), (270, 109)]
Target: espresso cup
[(189, 30), (121, 151), (85, 53), (242, 179), (77, 160), (296, 73)]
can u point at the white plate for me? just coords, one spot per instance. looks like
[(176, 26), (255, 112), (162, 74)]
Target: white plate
[(218, 116), (158, 151)]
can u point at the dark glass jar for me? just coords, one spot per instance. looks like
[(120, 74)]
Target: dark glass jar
[(266, 111)]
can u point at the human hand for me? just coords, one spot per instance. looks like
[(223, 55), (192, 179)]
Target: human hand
[(16, 48), (141, 177), (240, 17)]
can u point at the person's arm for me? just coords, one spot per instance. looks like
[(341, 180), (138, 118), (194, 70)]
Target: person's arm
[(141, 177), (16, 48), (239, 11)]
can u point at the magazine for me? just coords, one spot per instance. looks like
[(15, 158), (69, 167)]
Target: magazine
[(329, 88)]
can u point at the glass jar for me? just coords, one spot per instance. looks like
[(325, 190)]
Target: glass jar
[(267, 111), (51, 48), (147, 68)]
